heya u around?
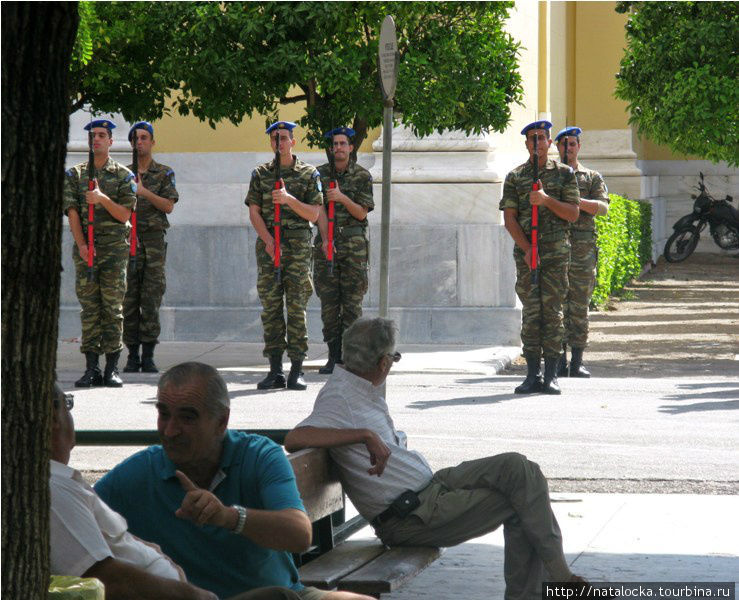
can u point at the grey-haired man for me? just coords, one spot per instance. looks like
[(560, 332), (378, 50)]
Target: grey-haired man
[(408, 504)]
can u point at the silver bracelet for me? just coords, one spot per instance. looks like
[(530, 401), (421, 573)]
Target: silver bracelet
[(242, 519)]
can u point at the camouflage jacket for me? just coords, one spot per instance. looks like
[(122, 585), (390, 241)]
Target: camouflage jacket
[(301, 180), (116, 182), (158, 179), (356, 183), (558, 181), (592, 187)]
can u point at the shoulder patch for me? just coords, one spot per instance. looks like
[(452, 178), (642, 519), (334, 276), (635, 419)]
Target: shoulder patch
[(130, 177), (317, 176), (254, 173), (170, 174), (69, 172)]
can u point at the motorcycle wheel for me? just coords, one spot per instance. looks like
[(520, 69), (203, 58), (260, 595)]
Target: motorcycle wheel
[(681, 244)]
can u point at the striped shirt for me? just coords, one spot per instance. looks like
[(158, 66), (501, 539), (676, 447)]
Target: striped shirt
[(350, 402)]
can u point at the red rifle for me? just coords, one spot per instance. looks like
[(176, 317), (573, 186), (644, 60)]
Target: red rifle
[(90, 209), (535, 219), (277, 218), (134, 233), (331, 209)]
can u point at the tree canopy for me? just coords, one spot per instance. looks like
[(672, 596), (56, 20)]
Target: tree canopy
[(679, 75), (458, 68)]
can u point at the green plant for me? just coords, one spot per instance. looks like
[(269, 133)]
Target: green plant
[(678, 75), (624, 245)]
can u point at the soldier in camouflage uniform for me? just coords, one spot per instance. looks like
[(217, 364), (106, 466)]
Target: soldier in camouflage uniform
[(558, 199), (300, 198), (114, 197), (341, 293), (156, 195), (583, 253)]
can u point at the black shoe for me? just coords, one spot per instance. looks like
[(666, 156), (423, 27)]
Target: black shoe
[(576, 368), (92, 375), (275, 379), (334, 358), (563, 366), (551, 385), (295, 379), (147, 358), (532, 383), (133, 364), (110, 376)]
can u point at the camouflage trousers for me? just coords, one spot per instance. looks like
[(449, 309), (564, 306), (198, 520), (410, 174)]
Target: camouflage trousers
[(542, 328), (146, 285), (102, 298), (583, 260), (341, 293), (290, 296)]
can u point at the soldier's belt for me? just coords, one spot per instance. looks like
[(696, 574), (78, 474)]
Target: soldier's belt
[(345, 232), (293, 234), (349, 231), (582, 234), (551, 236)]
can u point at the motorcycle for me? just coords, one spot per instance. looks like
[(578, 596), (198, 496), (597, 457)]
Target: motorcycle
[(719, 215)]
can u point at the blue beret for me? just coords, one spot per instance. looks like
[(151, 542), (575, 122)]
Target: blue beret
[(568, 131), (100, 123), (145, 125), (281, 125), (536, 125), (347, 131)]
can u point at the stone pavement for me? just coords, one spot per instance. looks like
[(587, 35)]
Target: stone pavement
[(608, 537)]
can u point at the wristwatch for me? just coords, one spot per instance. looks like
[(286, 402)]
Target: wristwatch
[(242, 519)]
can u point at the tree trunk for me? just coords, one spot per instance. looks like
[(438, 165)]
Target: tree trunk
[(37, 41)]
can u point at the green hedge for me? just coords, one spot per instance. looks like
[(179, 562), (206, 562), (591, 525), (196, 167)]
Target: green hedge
[(624, 245)]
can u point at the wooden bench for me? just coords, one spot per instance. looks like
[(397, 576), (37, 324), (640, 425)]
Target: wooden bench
[(362, 566)]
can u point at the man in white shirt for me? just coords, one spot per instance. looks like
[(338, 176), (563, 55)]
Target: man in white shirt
[(408, 504), (89, 539)]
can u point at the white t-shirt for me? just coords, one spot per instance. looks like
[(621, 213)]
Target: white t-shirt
[(85, 530), (350, 402)]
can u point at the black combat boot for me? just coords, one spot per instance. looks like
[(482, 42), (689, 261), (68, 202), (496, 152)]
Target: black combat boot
[(334, 358), (133, 364), (110, 376), (295, 379), (551, 386), (563, 367), (147, 358), (276, 377), (576, 368), (92, 375), (532, 383)]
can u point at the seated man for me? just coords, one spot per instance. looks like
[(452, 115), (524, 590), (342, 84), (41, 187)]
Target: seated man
[(222, 504), (88, 539), (411, 505)]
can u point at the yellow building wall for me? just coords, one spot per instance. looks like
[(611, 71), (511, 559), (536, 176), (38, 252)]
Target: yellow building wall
[(175, 133), (599, 39)]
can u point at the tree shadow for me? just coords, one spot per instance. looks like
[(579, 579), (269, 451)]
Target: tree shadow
[(700, 407), (466, 401)]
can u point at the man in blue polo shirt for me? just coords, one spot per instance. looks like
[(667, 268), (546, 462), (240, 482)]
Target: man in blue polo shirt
[(224, 505)]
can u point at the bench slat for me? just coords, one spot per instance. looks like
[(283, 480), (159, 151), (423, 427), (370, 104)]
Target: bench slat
[(319, 486), (390, 570), (325, 571)]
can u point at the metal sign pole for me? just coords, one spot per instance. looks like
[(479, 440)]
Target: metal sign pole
[(388, 60)]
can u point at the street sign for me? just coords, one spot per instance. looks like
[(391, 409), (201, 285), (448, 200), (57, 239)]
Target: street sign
[(388, 58)]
